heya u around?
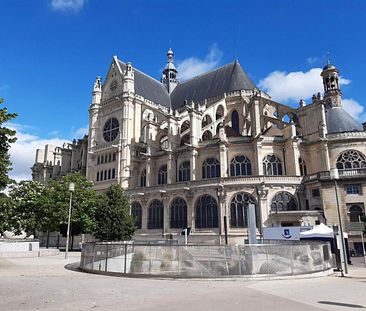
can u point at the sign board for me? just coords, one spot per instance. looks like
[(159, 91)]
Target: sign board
[(281, 233)]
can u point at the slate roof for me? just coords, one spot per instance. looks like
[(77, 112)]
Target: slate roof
[(338, 121), (149, 88), (230, 77)]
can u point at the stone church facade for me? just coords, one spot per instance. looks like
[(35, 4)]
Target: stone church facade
[(196, 153)]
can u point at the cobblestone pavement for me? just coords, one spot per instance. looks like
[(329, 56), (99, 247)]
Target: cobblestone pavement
[(44, 284)]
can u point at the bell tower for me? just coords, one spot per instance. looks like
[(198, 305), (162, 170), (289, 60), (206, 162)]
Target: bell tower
[(332, 90), (169, 77)]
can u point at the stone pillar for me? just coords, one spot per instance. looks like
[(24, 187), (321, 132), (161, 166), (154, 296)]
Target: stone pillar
[(223, 160), (223, 211), (257, 144), (194, 168), (190, 210), (263, 206)]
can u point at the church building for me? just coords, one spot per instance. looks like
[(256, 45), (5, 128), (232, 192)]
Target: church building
[(196, 153)]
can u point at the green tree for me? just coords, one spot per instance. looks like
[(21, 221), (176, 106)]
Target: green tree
[(5, 212), (57, 196), (112, 216), (7, 137), (27, 213)]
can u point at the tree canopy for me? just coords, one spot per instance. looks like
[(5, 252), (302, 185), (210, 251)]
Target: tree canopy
[(7, 137), (112, 216)]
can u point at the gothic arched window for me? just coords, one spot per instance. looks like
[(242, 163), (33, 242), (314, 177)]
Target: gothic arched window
[(283, 201), (302, 165), (272, 165), (155, 215), (110, 129), (206, 212), (178, 213), (136, 211), (163, 175), (206, 135), (355, 213), (240, 166), (184, 173), (210, 168), (238, 210), (351, 159), (235, 121), (143, 178)]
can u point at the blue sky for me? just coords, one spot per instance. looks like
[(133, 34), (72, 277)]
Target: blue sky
[(52, 50)]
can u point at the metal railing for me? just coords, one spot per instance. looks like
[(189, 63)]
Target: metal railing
[(206, 261)]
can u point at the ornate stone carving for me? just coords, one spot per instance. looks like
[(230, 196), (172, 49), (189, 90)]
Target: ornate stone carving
[(262, 191)]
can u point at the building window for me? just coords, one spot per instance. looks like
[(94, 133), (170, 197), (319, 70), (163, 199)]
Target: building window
[(184, 173), (101, 159), (210, 168), (143, 178), (351, 159), (98, 160), (240, 166), (235, 121), (110, 130), (315, 193), (283, 201), (97, 176), (114, 157), (155, 215), (272, 165), (178, 213), (136, 211), (110, 157), (206, 212), (302, 165), (207, 135), (355, 213), (162, 175), (353, 189), (238, 210), (109, 174), (113, 173), (105, 175), (101, 176)]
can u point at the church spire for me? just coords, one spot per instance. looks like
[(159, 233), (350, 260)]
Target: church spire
[(169, 77), (332, 90)]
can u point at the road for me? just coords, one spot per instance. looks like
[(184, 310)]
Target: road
[(45, 284)]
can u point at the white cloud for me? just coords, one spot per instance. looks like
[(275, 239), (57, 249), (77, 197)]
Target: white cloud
[(354, 109), (193, 66), (311, 60), (23, 151), (80, 132), (293, 86), (67, 5)]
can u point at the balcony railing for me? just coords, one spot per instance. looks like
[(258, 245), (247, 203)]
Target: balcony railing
[(343, 174)]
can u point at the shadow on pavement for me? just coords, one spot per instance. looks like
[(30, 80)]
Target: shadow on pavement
[(340, 304)]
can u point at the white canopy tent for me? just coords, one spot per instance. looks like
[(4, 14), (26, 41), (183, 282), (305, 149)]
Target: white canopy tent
[(319, 231)]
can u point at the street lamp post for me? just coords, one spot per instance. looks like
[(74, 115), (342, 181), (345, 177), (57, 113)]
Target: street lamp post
[(71, 189), (335, 176)]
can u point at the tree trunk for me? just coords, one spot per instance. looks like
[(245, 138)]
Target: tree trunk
[(48, 238)]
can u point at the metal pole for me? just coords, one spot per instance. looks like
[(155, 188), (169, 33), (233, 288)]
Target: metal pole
[(68, 228), (363, 243), (186, 236), (341, 231), (225, 229)]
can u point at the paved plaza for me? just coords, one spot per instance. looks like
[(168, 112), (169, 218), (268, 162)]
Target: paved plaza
[(45, 284)]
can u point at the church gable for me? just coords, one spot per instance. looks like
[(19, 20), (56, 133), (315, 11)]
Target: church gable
[(114, 80)]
